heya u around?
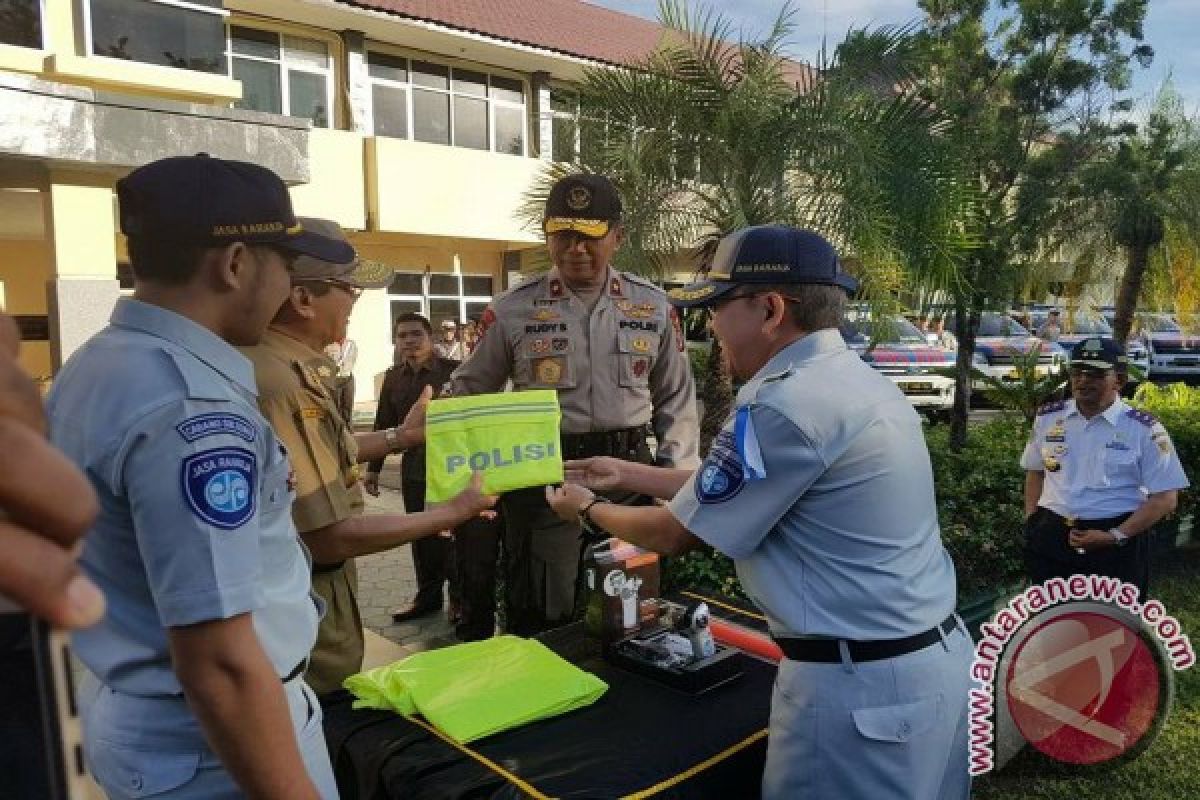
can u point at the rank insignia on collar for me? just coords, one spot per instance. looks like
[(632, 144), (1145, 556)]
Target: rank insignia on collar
[(614, 288), (556, 287)]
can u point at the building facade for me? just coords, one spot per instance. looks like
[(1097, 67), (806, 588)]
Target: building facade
[(417, 125)]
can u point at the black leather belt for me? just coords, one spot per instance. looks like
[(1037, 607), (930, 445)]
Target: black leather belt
[(1089, 524), (826, 651), (603, 443)]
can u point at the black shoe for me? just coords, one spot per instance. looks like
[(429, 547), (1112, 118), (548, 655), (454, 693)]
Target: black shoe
[(413, 612)]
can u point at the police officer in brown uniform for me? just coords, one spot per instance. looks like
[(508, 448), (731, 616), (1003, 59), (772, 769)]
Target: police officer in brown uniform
[(297, 392), (611, 344)]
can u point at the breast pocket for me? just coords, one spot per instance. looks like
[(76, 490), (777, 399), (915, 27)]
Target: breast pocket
[(545, 362), (636, 352), (1121, 467)]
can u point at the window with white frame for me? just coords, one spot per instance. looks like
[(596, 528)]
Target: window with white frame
[(440, 296), (187, 34), (575, 133), (282, 74), (430, 102), (21, 22)]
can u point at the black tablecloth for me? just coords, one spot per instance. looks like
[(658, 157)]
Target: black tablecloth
[(641, 738)]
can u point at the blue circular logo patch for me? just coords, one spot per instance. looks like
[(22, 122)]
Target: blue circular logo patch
[(219, 485), (720, 477)]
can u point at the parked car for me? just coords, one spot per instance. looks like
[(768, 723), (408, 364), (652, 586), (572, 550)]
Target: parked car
[(1172, 353), (1082, 324), (903, 354), (999, 338)]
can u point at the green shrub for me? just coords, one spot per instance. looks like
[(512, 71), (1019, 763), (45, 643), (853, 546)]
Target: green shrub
[(1177, 406)]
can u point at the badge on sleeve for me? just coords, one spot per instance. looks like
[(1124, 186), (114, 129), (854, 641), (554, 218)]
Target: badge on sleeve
[(219, 486), (217, 424), (720, 477)]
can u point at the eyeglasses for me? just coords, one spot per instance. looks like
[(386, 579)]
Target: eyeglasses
[(349, 288), (729, 298)]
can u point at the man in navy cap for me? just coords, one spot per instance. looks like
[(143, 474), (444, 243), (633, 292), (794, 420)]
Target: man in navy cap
[(210, 619), (1098, 476), (820, 488)]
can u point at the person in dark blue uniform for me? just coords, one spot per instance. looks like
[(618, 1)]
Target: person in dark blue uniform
[(821, 490), (197, 690), (1098, 475)]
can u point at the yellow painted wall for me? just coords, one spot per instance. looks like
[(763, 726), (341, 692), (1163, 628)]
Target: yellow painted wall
[(81, 223), (25, 266), (434, 190), (337, 184)]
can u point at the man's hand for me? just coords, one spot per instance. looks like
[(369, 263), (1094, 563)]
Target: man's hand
[(412, 430), (46, 506), (1088, 540), (600, 473), (566, 500), (371, 484), (471, 502)]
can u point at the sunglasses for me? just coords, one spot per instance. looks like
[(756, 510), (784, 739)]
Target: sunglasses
[(349, 288)]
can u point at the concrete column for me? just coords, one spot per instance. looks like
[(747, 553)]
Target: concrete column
[(371, 330), (358, 83), (543, 140), (80, 229)]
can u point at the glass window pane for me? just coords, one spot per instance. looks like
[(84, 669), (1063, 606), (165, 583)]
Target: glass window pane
[(138, 30), (21, 23), (470, 123), (260, 85), (391, 68), (562, 100), (308, 97), (591, 139), (406, 283), (389, 107), (254, 42), (509, 90), (469, 82), (564, 139), (443, 284), (475, 310), (435, 76), (431, 117), (309, 53), (510, 130), (441, 310), (477, 285)]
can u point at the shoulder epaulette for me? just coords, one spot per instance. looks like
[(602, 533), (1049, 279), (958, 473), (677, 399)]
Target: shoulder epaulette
[(639, 280), (1050, 408), (1144, 417)]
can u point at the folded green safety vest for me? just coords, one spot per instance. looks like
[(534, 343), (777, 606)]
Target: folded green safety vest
[(473, 690), (512, 438)]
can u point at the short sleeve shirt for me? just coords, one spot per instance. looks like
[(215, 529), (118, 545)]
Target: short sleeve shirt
[(1103, 466), (840, 537), (194, 520), (297, 393)]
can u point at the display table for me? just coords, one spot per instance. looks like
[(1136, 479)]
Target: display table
[(641, 739)]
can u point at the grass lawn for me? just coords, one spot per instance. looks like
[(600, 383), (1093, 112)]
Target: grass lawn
[(1171, 767)]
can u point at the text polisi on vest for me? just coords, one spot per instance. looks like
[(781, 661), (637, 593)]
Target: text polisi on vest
[(501, 456)]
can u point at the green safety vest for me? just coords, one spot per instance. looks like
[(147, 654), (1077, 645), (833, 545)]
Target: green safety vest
[(511, 437)]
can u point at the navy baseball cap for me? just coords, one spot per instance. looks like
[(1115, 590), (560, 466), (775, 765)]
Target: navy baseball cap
[(203, 200), (1097, 353), (584, 203), (766, 254)]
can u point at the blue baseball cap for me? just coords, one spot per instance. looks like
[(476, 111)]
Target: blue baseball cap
[(202, 200), (1098, 353), (766, 254)]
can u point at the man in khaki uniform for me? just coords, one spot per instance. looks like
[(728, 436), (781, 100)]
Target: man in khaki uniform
[(297, 392), (611, 344)]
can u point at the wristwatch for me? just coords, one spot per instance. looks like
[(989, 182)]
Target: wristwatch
[(584, 513), (392, 437), (1119, 537)]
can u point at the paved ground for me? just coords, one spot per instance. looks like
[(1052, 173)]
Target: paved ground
[(387, 581)]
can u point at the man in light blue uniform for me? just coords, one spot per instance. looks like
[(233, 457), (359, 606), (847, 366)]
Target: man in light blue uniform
[(1098, 476), (821, 489), (210, 619)]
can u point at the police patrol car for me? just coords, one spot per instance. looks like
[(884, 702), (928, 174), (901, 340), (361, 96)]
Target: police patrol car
[(1171, 352), (999, 340), (904, 354)]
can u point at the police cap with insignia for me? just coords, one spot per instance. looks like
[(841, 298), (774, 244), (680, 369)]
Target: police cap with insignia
[(201, 200), (1098, 353), (360, 273), (584, 203), (768, 255)]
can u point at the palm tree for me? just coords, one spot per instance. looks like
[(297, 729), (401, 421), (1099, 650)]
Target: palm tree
[(1139, 196), (712, 132)]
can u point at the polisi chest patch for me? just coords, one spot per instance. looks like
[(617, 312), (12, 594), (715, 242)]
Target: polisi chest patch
[(220, 485), (720, 477)]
